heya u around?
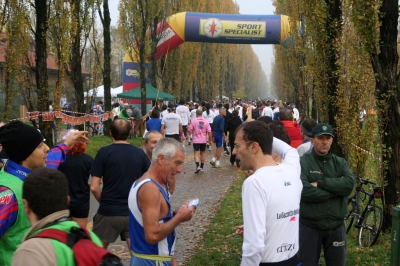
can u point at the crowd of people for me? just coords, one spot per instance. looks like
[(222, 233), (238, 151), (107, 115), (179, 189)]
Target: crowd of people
[(294, 196)]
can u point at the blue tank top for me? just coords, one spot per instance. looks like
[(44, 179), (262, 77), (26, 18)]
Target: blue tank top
[(136, 231)]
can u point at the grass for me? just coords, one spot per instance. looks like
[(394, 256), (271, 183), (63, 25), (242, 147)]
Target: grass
[(222, 247), (96, 142)]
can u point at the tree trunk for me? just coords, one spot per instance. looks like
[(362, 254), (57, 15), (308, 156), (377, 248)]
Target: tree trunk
[(41, 67), (107, 64), (388, 101), (334, 27), (143, 72)]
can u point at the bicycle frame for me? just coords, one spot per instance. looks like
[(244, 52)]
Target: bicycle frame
[(359, 190)]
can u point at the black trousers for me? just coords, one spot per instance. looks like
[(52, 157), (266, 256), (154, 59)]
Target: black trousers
[(311, 240)]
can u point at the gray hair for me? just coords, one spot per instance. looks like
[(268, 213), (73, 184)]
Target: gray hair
[(222, 109), (146, 136), (167, 147)]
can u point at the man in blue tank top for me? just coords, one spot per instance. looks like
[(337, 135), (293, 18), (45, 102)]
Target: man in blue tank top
[(151, 220)]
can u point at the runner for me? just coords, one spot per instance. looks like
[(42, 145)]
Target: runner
[(200, 128)]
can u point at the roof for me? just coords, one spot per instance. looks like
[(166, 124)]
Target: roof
[(151, 94)]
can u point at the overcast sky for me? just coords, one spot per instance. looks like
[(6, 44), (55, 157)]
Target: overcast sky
[(250, 7)]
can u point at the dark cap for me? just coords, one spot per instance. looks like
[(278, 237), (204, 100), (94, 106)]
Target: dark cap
[(100, 102), (322, 129), (19, 140)]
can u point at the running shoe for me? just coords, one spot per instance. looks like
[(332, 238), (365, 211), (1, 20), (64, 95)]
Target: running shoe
[(198, 169), (213, 163), (201, 169), (207, 146), (226, 153), (217, 166)]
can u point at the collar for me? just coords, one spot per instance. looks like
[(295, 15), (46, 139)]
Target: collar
[(323, 157), (17, 170), (46, 220), (306, 140)]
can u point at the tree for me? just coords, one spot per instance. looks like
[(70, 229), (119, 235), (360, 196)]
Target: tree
[(106, 21), (376, 23)]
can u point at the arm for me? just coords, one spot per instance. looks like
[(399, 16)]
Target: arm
[(180, 130), (162, 129), (254, 213), (150, 200), (58, 153), (288, 154), (95, 187), (8, 210), (341, 186), (311, 193)]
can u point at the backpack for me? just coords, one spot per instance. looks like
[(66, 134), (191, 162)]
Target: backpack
[(86, 252), (255, 113)]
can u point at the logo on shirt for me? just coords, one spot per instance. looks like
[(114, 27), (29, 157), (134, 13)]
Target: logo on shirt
[(287, 183), (316, 172), (22, 173), (284, 215), (285, 247), (293, 219), (201, 124), (5, 197)]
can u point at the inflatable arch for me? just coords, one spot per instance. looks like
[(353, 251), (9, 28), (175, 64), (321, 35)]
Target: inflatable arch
[(211, 28)]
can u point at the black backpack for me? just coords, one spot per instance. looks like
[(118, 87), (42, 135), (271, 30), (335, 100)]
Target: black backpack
[(86, 252), (255, 113)]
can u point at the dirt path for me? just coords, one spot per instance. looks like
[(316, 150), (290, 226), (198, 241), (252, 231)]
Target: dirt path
[(210, 187)]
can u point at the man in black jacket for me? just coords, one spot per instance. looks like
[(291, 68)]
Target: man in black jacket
[(327, 182), (232, 125)]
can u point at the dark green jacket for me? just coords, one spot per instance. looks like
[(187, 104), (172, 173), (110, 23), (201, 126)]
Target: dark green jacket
[(324, 206)]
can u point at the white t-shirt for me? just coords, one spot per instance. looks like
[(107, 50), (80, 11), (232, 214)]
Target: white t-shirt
[(183, 111), (193, 114), (240, 110), (171, 123), (210, 116), (295, 114), (164, 113), (267, 112), (271, 203)]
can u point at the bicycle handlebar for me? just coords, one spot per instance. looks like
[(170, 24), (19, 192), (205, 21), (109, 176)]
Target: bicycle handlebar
[(364, 181)]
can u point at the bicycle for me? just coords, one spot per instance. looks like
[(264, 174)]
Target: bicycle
[(91, 129), (370, 220)]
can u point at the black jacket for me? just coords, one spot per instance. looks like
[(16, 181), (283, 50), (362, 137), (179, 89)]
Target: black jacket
[(232, 125), (324, 206)]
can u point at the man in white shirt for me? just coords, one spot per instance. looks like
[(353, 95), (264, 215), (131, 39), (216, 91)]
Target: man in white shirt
[(295, 112), (184, 113), (171, 125), (267, 111), (271, 197), (164, 111)]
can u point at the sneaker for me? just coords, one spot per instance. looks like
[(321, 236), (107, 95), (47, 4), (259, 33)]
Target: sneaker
[(201, 169), (198, 169), (207, 146), (217, 166), (213, 163), (189, 142), (226, 153)]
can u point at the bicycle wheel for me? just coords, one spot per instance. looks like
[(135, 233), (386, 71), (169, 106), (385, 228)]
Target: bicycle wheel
[(349, 219), (371, 227)]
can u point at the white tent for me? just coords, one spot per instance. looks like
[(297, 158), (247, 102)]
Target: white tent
[(100, 91)]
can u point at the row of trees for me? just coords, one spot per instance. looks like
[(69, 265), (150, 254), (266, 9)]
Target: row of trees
[(344, 60), (77, 31)]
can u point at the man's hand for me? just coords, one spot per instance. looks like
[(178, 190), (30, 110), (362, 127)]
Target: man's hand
[(185, 213), (240, 230), (315, 184), (76, 136)]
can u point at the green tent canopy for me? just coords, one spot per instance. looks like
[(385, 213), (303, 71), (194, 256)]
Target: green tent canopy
[(151, 94)]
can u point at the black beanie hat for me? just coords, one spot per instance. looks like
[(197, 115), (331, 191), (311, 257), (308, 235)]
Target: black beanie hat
[(19, 140)]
